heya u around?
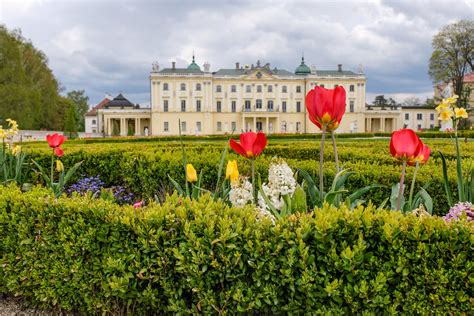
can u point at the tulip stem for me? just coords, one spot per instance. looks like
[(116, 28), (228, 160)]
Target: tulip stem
[(402, 180), (321, 160), (412, 189), (52, 167), (334, 146), (255, 200)]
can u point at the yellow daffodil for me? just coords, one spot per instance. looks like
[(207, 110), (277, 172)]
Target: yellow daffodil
[(232, 172), (446, 115), (13, 128), (3, 133), (460, 113), (59, 166), (441, 107), (16, 149), (191, 175), (451, 100)]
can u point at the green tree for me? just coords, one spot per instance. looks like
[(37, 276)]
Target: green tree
[(29, 92), (70, 122), (453, 54), (81, 103), (380, 101)]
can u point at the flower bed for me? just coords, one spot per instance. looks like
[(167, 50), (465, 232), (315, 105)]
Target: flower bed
[(202, 256)]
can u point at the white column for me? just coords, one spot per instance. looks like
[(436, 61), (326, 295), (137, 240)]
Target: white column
[(267, 128), (122, 127), (254, 129)]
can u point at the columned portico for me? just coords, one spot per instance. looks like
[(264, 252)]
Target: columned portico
[(255, 122)]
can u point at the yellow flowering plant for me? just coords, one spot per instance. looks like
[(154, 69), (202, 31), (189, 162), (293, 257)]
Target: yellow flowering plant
[(12, 160), (449, 111)]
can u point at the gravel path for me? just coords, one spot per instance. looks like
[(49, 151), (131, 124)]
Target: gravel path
[(13, 307)]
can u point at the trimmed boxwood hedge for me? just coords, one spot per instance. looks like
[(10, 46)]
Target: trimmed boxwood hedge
[(203, 257)]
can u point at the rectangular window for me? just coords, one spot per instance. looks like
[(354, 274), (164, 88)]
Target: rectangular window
[(407, 116), (351, 106), (298, 126), (351, 88), (183, 87), (258, 104), (284, 89), (219, 106), (183, 105), (298, 89), (270, 105), (183, 126), (165, 87), (198, 105), (219, 126), (259, 89), (432, 116), (283, 106), (247, 105), (198, 126), (234, 106), (165, 126), (419, 127), (165, 105), (419, 116), (298, 106), (248, 88), (219, 88), (94, 122), (198, 87), (431, 126), (270, 88), (233, 126), (233, 88)]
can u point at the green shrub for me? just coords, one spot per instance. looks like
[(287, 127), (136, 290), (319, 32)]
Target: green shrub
[(203, 257)]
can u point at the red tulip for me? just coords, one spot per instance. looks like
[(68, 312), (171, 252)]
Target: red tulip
[(405, 145), (422, 157), (55, 141), (251, 144), (326, 106)]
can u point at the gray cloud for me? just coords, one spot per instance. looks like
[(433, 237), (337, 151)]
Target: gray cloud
[(108, 46)]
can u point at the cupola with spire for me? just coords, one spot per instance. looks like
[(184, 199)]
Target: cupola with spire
[(302, 69), (194, 66)]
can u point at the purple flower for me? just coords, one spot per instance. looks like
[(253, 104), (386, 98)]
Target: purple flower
[(457, 210), (85, 185)]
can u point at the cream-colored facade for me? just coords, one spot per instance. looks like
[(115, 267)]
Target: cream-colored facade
[(246, 98)]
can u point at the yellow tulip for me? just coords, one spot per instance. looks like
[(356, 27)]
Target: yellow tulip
[(232, 172), (461, 113), (59, 166), (191, 175), (446, 115)]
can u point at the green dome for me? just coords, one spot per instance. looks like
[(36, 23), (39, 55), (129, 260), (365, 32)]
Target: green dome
[(194, 66), (302, 69)]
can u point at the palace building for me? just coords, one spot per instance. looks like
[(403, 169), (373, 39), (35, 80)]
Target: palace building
[(255, 97)]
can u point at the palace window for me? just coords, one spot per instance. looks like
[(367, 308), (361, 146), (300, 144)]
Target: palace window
[(183, 87), (166, 126), (407, 116), (198, 126), (234, 106), (219, 126), (298, 126), (183, 126), (198, 87), (298, 106), (270, 88), (432, 116), (258, 104), (259, 89), (233, 88), (351, 88), (270, 105), (165, 87), (298, 89), (218, 88), (431, 126), (94, 122), (165, 105), (248, 88), (219, 106), (283, 106), (233, 126), (419, 116), (284, 89), (283, 126), (183, 105), (198, 105), (351, 106), (419, 127), (247, 105)]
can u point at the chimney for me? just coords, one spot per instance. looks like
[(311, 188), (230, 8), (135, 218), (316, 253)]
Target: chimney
[(237, 65), (339, 67), (173, 65)]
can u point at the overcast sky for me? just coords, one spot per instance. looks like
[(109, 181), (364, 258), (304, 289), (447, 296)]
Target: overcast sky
[(108, 46)]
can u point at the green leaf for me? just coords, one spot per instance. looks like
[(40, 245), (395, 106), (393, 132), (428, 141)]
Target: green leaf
[(176, 186), (447, 188)]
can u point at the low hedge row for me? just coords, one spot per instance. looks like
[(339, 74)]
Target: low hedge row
[(145, 170), (202, 257)]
